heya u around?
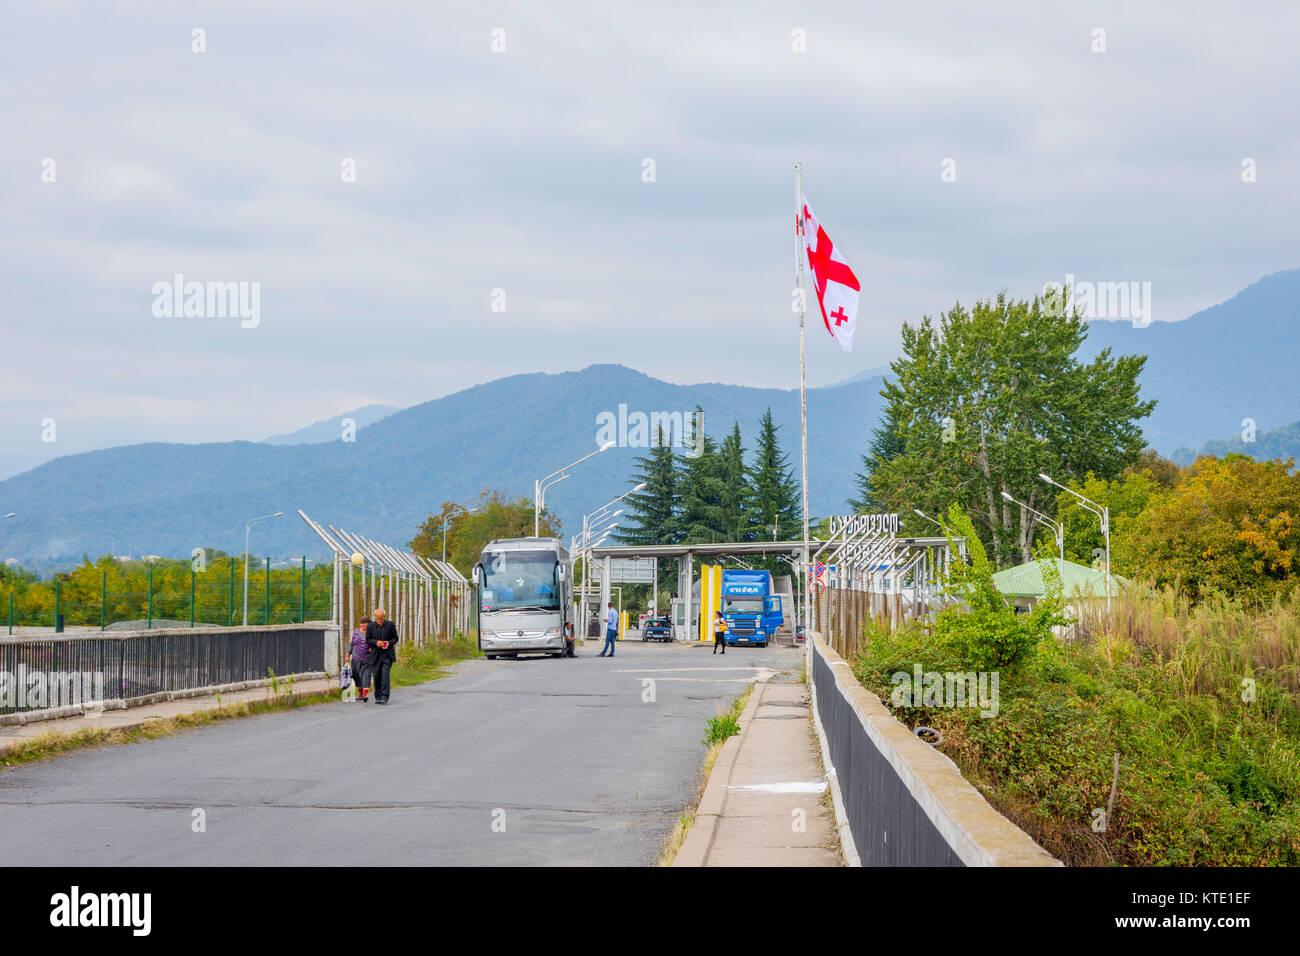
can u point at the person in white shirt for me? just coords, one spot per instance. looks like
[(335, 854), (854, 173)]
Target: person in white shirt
[(611, 630)]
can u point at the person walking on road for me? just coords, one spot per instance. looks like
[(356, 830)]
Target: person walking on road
[(359, 651), (719, 633), (381, 636), (611, 630)]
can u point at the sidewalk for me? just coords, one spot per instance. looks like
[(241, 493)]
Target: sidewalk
[(12, 734), (763, 803)]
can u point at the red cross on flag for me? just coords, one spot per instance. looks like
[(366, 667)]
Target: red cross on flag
[(837, 286)]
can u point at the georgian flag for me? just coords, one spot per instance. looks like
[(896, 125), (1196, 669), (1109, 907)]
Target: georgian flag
[(837, 286)]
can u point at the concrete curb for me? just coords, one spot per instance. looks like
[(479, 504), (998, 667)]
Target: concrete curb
[(699, 840), (298, 691), (842, 828)]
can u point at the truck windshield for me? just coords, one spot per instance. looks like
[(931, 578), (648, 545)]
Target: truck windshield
[(742, 606), (520, 579)]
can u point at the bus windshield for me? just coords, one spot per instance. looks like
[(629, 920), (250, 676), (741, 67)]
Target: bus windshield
[(520, 579)]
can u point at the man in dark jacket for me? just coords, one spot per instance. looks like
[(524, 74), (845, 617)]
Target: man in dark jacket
[(381, 636)]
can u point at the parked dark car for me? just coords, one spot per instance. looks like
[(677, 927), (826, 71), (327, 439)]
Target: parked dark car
[(657, 629)]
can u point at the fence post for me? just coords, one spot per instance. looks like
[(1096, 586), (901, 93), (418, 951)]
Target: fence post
[(268, 590), (302, 598), (191, 594), (230, 613), (58, 592), (150, 625), (103, 601)]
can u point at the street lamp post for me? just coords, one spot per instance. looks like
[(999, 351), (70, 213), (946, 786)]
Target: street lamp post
[(446, 521), (1053, 524), (540, 486), (587, 521), (247, 531), (927, 518), (1102, 512)]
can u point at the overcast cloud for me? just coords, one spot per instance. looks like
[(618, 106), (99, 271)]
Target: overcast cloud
[(522, 171)]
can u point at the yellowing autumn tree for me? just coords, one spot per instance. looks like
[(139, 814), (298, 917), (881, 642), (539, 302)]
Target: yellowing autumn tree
[(1229, 525)]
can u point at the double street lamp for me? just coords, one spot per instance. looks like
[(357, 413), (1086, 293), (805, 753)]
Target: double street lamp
[(446, 521), (1054, 525), (589, 537), (1102, 512), (540, 486), (247, 529)]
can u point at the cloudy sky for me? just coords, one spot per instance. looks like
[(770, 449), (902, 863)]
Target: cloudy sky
[(523, 170)]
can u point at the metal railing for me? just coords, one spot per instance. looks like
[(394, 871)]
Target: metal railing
[(43, 673), (906, 803)]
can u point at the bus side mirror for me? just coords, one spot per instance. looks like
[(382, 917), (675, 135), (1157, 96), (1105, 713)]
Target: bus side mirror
[(562, 570), (478, 575)]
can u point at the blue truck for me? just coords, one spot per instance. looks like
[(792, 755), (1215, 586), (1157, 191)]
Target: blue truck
[(751, 606)]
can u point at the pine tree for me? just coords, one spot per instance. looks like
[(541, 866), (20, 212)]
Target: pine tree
[(700, 489), (737, 497), (651, 515), (776, 494), (886, 444)]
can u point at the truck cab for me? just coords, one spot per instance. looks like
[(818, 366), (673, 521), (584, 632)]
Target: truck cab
[(751, 608)]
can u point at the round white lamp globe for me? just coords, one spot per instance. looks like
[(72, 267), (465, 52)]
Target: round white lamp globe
[(358, 558)]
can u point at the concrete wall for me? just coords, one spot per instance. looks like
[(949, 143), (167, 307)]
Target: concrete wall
[(904, 802)]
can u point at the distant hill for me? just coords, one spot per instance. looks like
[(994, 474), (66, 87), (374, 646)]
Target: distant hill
[(1280, 443), (879, 371), (170, 498), (330, 429), (1225, 363), (1232, 361)]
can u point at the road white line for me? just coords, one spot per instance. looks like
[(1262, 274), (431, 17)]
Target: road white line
[(677, 670)]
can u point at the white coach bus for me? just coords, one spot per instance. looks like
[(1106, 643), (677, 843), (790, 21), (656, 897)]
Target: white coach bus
[(525, 597)]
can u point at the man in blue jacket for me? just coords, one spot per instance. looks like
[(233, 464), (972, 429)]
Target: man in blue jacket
[(381, 637), (611, 630)]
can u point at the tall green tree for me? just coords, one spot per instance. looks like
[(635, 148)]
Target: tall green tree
[(468, 531), (702, 518), (886, 444), (987, 398), (737, 497), (651, 515), (776, 493)]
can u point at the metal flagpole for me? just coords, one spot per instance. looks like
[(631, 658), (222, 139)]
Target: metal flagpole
[(803, 389)]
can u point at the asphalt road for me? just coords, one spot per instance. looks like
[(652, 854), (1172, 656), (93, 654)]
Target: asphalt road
[(532, 761)]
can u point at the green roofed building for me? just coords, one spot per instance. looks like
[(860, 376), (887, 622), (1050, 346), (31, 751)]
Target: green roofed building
[(1023, 584)]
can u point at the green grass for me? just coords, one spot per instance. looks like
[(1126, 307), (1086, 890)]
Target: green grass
[(718, 729), (1208, 776), (415, 665), (55, 742)]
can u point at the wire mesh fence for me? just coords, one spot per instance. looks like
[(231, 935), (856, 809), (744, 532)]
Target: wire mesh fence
[(842, 616), (166, 593)]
